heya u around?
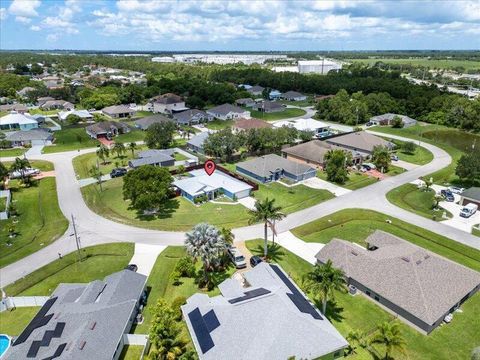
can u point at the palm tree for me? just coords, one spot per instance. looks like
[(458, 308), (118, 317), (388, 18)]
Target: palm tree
[(355, 338), (3, 173), (227, 235), (389, 335), (324, 280), (265, 211), (102, 153), (20, 165), (132, 147), (96, 173), (118, 148), (206, 242)]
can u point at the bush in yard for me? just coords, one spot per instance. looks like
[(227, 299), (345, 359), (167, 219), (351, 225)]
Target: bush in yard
[(409, 147), (160, 135), (381, 158), (176, 303), (397, 122), (336, 162), (186, 267)]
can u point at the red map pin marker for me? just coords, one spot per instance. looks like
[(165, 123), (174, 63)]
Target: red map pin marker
[(210, 167)]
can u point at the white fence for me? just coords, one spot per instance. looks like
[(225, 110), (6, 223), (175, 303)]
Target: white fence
[(5, 194), (135, 339)]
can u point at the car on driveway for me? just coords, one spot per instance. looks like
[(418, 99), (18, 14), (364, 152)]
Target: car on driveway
[(131, 267), (237, 257), (394, 157), (118, 172), (448, 195), (255, 260), (456, 189)]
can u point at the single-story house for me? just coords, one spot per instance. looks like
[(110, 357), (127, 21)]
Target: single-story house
[(168, 103), (17, 121), (418, 285), (273, 167), (274, 95), (200, 184), (293, 96), (118, 111), (193, 116), (310, 153), (387, 119), (30, 137), (147, 121), (247, 124), (106, 129), (470, 196), (266, 301), (83, 321), (24, 92), (195, 144), (247, 102), (85, 115), (256, 90), (18, 108), (153, 157), (319, 128), (57, 104), (228, 112), (360, 141), (43, 99), (269, 106)]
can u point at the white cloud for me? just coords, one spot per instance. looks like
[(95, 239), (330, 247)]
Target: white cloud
[(35, 28), (24, 8), (53, 37), (23, 19), (3, 13)]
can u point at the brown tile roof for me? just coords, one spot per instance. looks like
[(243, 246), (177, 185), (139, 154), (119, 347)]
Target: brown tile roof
[(246, 124)]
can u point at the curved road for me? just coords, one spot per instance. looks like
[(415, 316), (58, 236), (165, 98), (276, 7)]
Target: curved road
[(95, 229)]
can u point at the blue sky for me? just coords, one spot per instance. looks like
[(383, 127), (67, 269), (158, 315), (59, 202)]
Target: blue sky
[(239, 25)]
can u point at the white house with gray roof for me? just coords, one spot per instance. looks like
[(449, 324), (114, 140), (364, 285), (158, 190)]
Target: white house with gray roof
[(387, 119), (273, 167), (147, 121), (153, 157), (418, 285), (228, 112), (192, 116), (82, 321), (266, 316)]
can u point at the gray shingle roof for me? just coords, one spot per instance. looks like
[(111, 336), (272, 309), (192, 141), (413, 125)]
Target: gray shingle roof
[(268, 105), (29, 135), (103, 127), (419, 281), (314, 150), (150, 157), (198, 140), (292, 95), (117, 109), (472, 193), (283, 329), (186, 116), (359, 140), (224, 109), (168, 98), (265, 165), (145, 122), (389, 117), (95, 316)]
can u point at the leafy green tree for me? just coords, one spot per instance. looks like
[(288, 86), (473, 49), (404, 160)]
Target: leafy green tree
[(409, 147), (227, 235), (323, 281), (132, 147), (397, 122), (102, 153), (205, 241), (165, 334), (305, 135), (97, 174), (388, 335), (267, 212), (160, 135), (119, 149), (222, 144), (3, 173), (336, 165), (185, 267), (355, 338), (21, 165), (381, 157), (148, 187), (73, 119), (468, 166)]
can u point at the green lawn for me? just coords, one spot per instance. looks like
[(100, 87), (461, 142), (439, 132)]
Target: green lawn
[(133, 136), (131, 352), (12, 322), (410, 198), (38, 164), (422, 62), (356, 180), (39, 221), (180, 157), (83, 163), (285, 114), (69, 139), (303, 103), (219, 124), (394, 170), (294, 198), (97, 262), (43, 112), (141, 114), (3, 204), (420, 156), (12, 152)]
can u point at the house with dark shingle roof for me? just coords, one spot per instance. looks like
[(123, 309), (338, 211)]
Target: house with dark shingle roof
[(82, 321), (470, 196), (118, 111), (37, 136), (272, 167), (269, 106), (387, 119), (106, 129), (293, 96), (147, 121), (247, 102), (228, 112), (192, 116), (359, 141), (153, 157), (256, 90), (195, 144), (417, 285), (265, 301), (168, 103)]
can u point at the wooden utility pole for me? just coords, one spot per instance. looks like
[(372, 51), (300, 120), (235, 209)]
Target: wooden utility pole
[(77, 239)]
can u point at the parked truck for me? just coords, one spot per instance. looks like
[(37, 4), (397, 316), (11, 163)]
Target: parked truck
[(468, 210)]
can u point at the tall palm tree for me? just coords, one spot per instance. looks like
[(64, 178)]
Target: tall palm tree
[(132, 147), (389, 335), (324, 280), (118, 148), (265, 211), (96, 173), (206, 242), (355, 338), (227, 235), (103, 152)]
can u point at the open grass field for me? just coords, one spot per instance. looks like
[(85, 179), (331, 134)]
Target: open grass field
[(421, 202), (83, 163), (12, 152), (39, 221), (182, 215), (13, 322), (453, 341), (423, 62), (475, 231), (131, 352), (96, 263), (285, 114), (356, 179), (420, 156), (218, 124), (303, 103), (43, 112), (133, 136), (69, 139)]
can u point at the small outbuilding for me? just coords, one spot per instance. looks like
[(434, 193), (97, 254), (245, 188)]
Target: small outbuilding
[(470, 196)]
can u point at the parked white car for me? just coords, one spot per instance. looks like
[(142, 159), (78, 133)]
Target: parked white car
[(456, 190), (468, 210), (26, 172), (237, 258), (448, 318)]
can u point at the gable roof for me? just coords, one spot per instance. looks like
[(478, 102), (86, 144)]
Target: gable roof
[(17, 118), (360, 140), (144, 123), (256, 88), (269, 105), (149, 157), (472, 193), (103, 127), (83, 321), (187, 115), (419, 281), (167, 98), (390, 116), (223, 327), (29, 135), (314, 150), (252, 123), (266, 165), (292, 94), (198, 140), (117, 109), (225, 109)]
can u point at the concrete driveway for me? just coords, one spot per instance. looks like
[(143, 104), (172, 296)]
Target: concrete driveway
[(316, 183)]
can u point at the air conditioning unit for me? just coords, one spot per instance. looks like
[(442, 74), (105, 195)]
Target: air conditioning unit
[(352, 289)]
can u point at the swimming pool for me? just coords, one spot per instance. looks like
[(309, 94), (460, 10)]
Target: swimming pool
[(4, 344)]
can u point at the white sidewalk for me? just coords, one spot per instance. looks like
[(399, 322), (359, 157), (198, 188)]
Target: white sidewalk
[(248, 202), (305, 250), (316, 183), (145, 256)]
